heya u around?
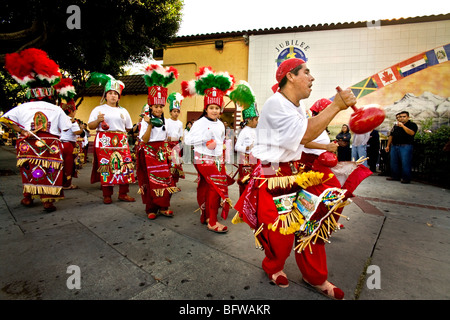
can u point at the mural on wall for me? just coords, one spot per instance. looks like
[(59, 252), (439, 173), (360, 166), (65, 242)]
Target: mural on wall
[(419, 85)]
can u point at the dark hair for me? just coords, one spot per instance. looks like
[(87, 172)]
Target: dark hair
[(162, 118), (403, 112), (187, 124), (284, 80)]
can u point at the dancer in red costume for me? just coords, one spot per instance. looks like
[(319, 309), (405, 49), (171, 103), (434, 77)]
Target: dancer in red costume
[(40, 123), (244, 97), (66, 93), (207, 135), (156, 183), (283, 130), (112, 163)]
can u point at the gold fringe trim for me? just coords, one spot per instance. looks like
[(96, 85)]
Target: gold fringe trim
[(303, 179), (290, 222), (258, 244), (47, 190), (313, 230), (40, 162), (171, 190)]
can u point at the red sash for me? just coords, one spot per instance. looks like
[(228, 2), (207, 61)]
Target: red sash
[(212, 169), (155, 180), (112, 159)]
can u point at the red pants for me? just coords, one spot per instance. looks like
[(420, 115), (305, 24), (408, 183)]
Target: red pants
[(313, 266), (69, 162), (109, 190), (210, 198)]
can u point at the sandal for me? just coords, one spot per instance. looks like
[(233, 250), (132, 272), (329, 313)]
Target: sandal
[(151, 216), (72, 186), (280, 281), (167, 213), (49, 206), (331, 291), (27, 202), (216, 228)]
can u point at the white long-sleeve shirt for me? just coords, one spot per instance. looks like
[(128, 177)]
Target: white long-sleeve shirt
[(323, 138), (174, 128), (204, 130), (117, 118), (69, 135), (281, 127), (157, 133), (246, 138)]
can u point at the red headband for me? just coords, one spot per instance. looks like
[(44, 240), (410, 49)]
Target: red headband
[(285, 67), (320, 105)]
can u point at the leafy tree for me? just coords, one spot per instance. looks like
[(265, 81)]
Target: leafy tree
[(111, 33)]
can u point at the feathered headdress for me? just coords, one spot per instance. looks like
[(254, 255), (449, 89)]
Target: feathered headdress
[(33, 68), (244, 96), (157, 78), (174, 101), (107, 81), (66, 92), (213, 86)]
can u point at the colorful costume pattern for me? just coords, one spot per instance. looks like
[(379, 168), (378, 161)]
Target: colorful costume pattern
[(112, 159), (41, 165), (156, 184)]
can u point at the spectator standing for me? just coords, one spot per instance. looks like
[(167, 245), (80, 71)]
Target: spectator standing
[(359, 146), (343, 140), (373, 150), (400, 147)]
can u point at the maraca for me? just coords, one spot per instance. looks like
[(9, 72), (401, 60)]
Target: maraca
[(365, 119), (211, 144)]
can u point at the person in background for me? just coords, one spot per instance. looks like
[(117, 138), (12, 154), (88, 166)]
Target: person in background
[(174, 129), (66, 93), (188, 151), (113, 163), (373, 150), (359, 146), (243, 96), (400, 147), (343, 139)]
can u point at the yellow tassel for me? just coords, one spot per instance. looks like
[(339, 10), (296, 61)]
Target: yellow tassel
[(237, 219)]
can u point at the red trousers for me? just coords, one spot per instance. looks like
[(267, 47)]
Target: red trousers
[(109, 190), (313, 266), (69, 162)]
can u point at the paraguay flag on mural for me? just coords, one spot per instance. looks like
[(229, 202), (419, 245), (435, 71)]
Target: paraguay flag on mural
[(412, 65)]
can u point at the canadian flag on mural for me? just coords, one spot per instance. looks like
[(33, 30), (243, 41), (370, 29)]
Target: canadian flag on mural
[(386, 76)]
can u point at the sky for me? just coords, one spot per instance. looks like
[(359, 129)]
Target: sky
[(211, 16)]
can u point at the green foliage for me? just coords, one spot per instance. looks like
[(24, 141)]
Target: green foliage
[(11, 93), (112, 32), (430, 161)]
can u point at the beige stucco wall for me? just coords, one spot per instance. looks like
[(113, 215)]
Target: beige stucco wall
[(187, 58)]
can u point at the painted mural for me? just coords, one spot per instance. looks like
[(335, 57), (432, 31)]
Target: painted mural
[(419, 85)]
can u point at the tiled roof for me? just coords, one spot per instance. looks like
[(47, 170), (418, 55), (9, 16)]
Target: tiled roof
[(313, 27), (134, 84)]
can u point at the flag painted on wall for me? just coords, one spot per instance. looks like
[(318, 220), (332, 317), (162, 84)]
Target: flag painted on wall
[(364, 87), (387, 76), (438, 55), (412, 65)]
